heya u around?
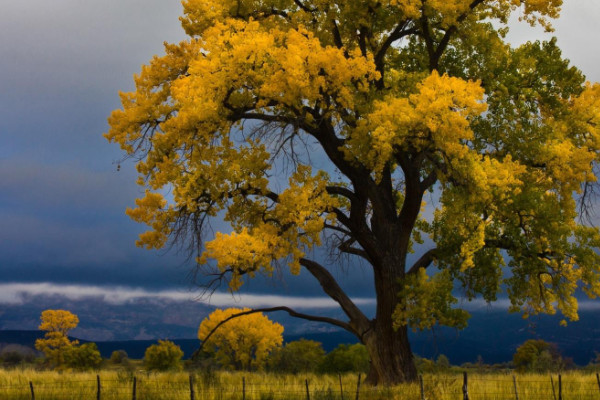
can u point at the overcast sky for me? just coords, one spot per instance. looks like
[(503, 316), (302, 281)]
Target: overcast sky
[(62, 200)]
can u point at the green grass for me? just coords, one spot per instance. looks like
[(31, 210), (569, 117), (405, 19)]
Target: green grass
[(117, 385)]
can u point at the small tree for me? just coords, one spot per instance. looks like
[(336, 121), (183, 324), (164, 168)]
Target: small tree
[(119, 357), (346, 358), (163, 356), (298, 356), (242, 343), (56, 343), (537, 356), (83, 357)]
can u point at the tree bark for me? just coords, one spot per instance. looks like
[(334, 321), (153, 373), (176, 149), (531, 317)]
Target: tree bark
[(392, 360)]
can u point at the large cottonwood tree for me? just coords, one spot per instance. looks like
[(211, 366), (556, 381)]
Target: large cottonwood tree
[(402, 97)]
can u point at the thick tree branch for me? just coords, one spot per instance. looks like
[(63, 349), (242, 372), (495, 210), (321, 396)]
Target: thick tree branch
[(413, 198), (398, 33), (429, 181), (346, 247), (395, 35), (342, 191), (423, 262), (337, 37), (359, 323), (363, 184), (426, 33)]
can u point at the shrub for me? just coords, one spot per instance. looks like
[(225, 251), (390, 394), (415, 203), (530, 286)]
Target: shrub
[(537, 356), (163, 356), (346, 358), (119, 357), (83, 357), (298, 356), (13, 354)]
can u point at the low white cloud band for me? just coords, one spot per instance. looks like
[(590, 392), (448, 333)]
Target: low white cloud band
[(17, 293)]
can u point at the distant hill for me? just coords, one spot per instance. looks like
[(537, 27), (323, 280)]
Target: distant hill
[(493, 335)]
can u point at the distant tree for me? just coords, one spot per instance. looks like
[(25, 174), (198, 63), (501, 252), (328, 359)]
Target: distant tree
[(346, 358), (594, 364), (163, 356), (425, 365), (537, 356), (56, 343), (13, 354), (299, 356), (119, 357), (83, 357), (241, 343)]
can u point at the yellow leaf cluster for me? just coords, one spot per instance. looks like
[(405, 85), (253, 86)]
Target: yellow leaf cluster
[(246, 64), (151, 210), (436, 117), (532, 11), (298, 219)]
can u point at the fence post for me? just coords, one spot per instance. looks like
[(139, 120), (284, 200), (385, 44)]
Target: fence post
[(559, 387), (515, 384), (243, 388), (32, 393), (192, 394), (98, 387), (342, 388), (553, 391), (307, 391), (422, 387), (358, 387), (465, 387), (598, 380), (133, 392)]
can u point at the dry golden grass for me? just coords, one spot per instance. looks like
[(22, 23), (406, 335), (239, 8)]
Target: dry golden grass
[(118, 385)]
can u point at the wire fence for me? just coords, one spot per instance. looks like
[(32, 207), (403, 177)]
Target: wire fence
[(431, 387)]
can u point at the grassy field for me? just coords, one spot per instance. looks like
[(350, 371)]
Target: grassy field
[(15, 384)]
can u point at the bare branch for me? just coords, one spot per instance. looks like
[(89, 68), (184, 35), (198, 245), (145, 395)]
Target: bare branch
[(338, 229), (346, 247)]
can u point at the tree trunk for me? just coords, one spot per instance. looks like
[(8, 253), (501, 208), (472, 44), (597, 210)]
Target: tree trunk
[(392, 360)]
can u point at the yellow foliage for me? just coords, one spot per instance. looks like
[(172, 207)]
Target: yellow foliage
[(56, 343), (403, 97), (242, 343)]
